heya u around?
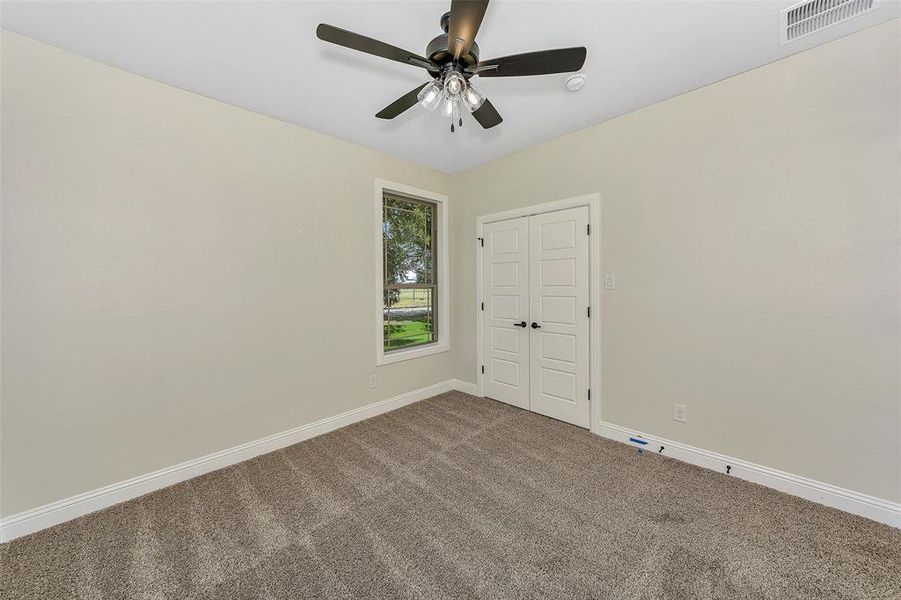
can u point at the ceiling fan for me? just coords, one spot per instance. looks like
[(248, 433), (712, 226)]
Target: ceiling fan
[(452, 60)]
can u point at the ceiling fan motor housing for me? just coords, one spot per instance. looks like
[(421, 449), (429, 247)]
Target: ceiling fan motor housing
[(438, 52)]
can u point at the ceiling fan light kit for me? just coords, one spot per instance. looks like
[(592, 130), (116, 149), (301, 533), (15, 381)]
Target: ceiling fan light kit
[(452, 60), (453, 92)]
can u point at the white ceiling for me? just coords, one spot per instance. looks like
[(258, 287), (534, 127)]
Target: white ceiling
[(264, 56)]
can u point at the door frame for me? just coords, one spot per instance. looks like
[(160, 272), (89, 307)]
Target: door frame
[(593, 202)]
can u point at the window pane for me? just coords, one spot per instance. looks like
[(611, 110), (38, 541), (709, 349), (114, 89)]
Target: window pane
[(408, 317), (407, 236)]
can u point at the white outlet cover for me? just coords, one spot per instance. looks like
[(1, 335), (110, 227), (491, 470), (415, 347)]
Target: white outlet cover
[(609, 281), (373, 381), (679, 413)]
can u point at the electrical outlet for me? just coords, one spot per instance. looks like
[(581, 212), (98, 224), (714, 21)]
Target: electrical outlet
[(609, 281), (373, 381), (679, 413)]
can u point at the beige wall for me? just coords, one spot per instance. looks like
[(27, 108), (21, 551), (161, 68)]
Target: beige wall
[(753, 228), (179, 276)]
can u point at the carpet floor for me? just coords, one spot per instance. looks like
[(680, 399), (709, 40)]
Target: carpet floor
[(459, 497)]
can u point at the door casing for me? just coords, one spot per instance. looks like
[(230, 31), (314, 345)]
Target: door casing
[(593, 202)]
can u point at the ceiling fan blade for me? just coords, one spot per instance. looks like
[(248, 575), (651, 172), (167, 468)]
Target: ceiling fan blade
[(355, 41), (406, 101), (487, 115), (465, 18), (543, 62)]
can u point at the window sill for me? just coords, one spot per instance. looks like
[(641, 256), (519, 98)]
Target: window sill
[(401, 355)]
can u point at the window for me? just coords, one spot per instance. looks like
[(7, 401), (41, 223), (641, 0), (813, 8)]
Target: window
[(408, 246), (412, 294)]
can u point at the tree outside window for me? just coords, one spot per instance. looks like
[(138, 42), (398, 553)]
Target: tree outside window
[(410, 282)]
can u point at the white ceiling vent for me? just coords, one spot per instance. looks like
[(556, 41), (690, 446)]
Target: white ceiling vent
[(807, 17)]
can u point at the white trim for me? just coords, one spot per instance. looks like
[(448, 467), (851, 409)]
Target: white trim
[(593, 202), (877, 509), (61, 511), (418, 352), (54, 513), (443, 300), (464, 386)]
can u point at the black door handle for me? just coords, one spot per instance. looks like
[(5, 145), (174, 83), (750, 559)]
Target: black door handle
[(535, 325), (522, 324)]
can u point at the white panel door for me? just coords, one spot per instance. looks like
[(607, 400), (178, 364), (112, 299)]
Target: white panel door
[(505, 289), (559, 293)]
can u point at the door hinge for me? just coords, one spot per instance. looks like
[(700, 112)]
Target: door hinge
[(483, 369), (589, 312), (589, 393), (481, 242), (483, 306), (588, 228)]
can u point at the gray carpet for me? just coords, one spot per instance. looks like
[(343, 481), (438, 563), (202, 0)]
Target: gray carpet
[(459, 497)]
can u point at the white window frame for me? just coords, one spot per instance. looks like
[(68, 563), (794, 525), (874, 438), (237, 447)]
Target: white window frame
[(442, 310)]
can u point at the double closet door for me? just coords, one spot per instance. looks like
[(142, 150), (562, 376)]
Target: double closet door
[(535, 334)]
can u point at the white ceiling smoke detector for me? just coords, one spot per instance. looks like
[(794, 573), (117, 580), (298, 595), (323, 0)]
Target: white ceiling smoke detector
[(575, 82)]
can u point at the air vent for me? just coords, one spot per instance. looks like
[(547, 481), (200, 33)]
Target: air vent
[(806, 18)]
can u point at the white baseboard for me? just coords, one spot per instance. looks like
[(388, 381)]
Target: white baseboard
[(464, 386), (67, 509), (884, 511)]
